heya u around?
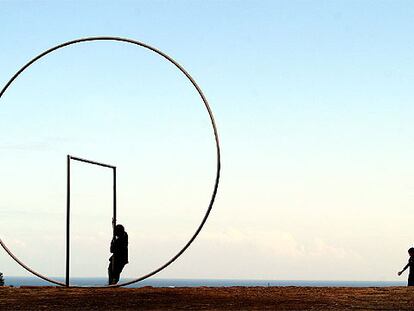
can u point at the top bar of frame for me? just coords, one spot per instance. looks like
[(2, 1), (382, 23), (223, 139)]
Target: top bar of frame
[(91, 162)]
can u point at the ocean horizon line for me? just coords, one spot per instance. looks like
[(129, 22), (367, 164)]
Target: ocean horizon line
[(202, 282)]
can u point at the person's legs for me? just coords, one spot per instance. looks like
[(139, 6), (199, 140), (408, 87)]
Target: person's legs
[(410, 281), (117, 273), (110, 274)]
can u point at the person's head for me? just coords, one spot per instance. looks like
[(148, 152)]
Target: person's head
[(411, 252), (119, 230)]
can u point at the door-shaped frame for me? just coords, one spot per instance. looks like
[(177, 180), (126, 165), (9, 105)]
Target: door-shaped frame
[(68, 195)]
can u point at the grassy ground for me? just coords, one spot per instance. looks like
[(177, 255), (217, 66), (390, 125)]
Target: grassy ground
[(203, 298)]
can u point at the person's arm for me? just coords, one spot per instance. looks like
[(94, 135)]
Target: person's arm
[(405, 268)]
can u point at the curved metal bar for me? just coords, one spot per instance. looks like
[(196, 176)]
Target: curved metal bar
[(213, 123), (27, 268)]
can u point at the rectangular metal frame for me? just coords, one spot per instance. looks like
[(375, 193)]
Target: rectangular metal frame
[(69, 158)]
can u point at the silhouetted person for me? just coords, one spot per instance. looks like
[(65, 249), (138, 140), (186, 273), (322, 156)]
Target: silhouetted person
[(411, 265), (119, 249)]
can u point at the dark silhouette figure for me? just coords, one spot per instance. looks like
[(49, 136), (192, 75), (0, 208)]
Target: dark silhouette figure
[(119, 249), (1, 279), (411, 265)]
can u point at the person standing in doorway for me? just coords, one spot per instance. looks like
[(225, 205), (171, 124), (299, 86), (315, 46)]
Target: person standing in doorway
[(119, 258)]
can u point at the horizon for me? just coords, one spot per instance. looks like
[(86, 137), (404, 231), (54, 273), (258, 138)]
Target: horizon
[(18, 281)]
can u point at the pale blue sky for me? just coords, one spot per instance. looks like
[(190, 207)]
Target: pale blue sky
[(313, 101)]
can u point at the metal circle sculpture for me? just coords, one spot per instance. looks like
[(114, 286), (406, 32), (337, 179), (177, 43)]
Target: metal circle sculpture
[(213, 124)]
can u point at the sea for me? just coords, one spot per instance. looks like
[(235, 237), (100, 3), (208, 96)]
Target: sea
[(17, 281)]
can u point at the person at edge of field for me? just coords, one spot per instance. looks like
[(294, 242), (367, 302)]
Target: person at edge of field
[(119, 258), (411, 265)]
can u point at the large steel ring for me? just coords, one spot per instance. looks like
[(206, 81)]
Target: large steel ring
[(213, 124)]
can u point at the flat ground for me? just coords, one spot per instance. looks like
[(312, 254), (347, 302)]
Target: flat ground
[(208, 298)]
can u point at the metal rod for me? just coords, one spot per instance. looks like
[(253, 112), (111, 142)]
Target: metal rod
[(114, 216), (27, 268), (114, 212), (92, 162), (68, 220)]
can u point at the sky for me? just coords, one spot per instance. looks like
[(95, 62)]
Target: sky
[(313, 102)]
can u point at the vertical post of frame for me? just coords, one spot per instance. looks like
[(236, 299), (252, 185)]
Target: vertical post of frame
[(67, 221), (114, 198), (114, 214)]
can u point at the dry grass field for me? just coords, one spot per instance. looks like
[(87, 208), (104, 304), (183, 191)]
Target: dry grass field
[(207, 298)]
